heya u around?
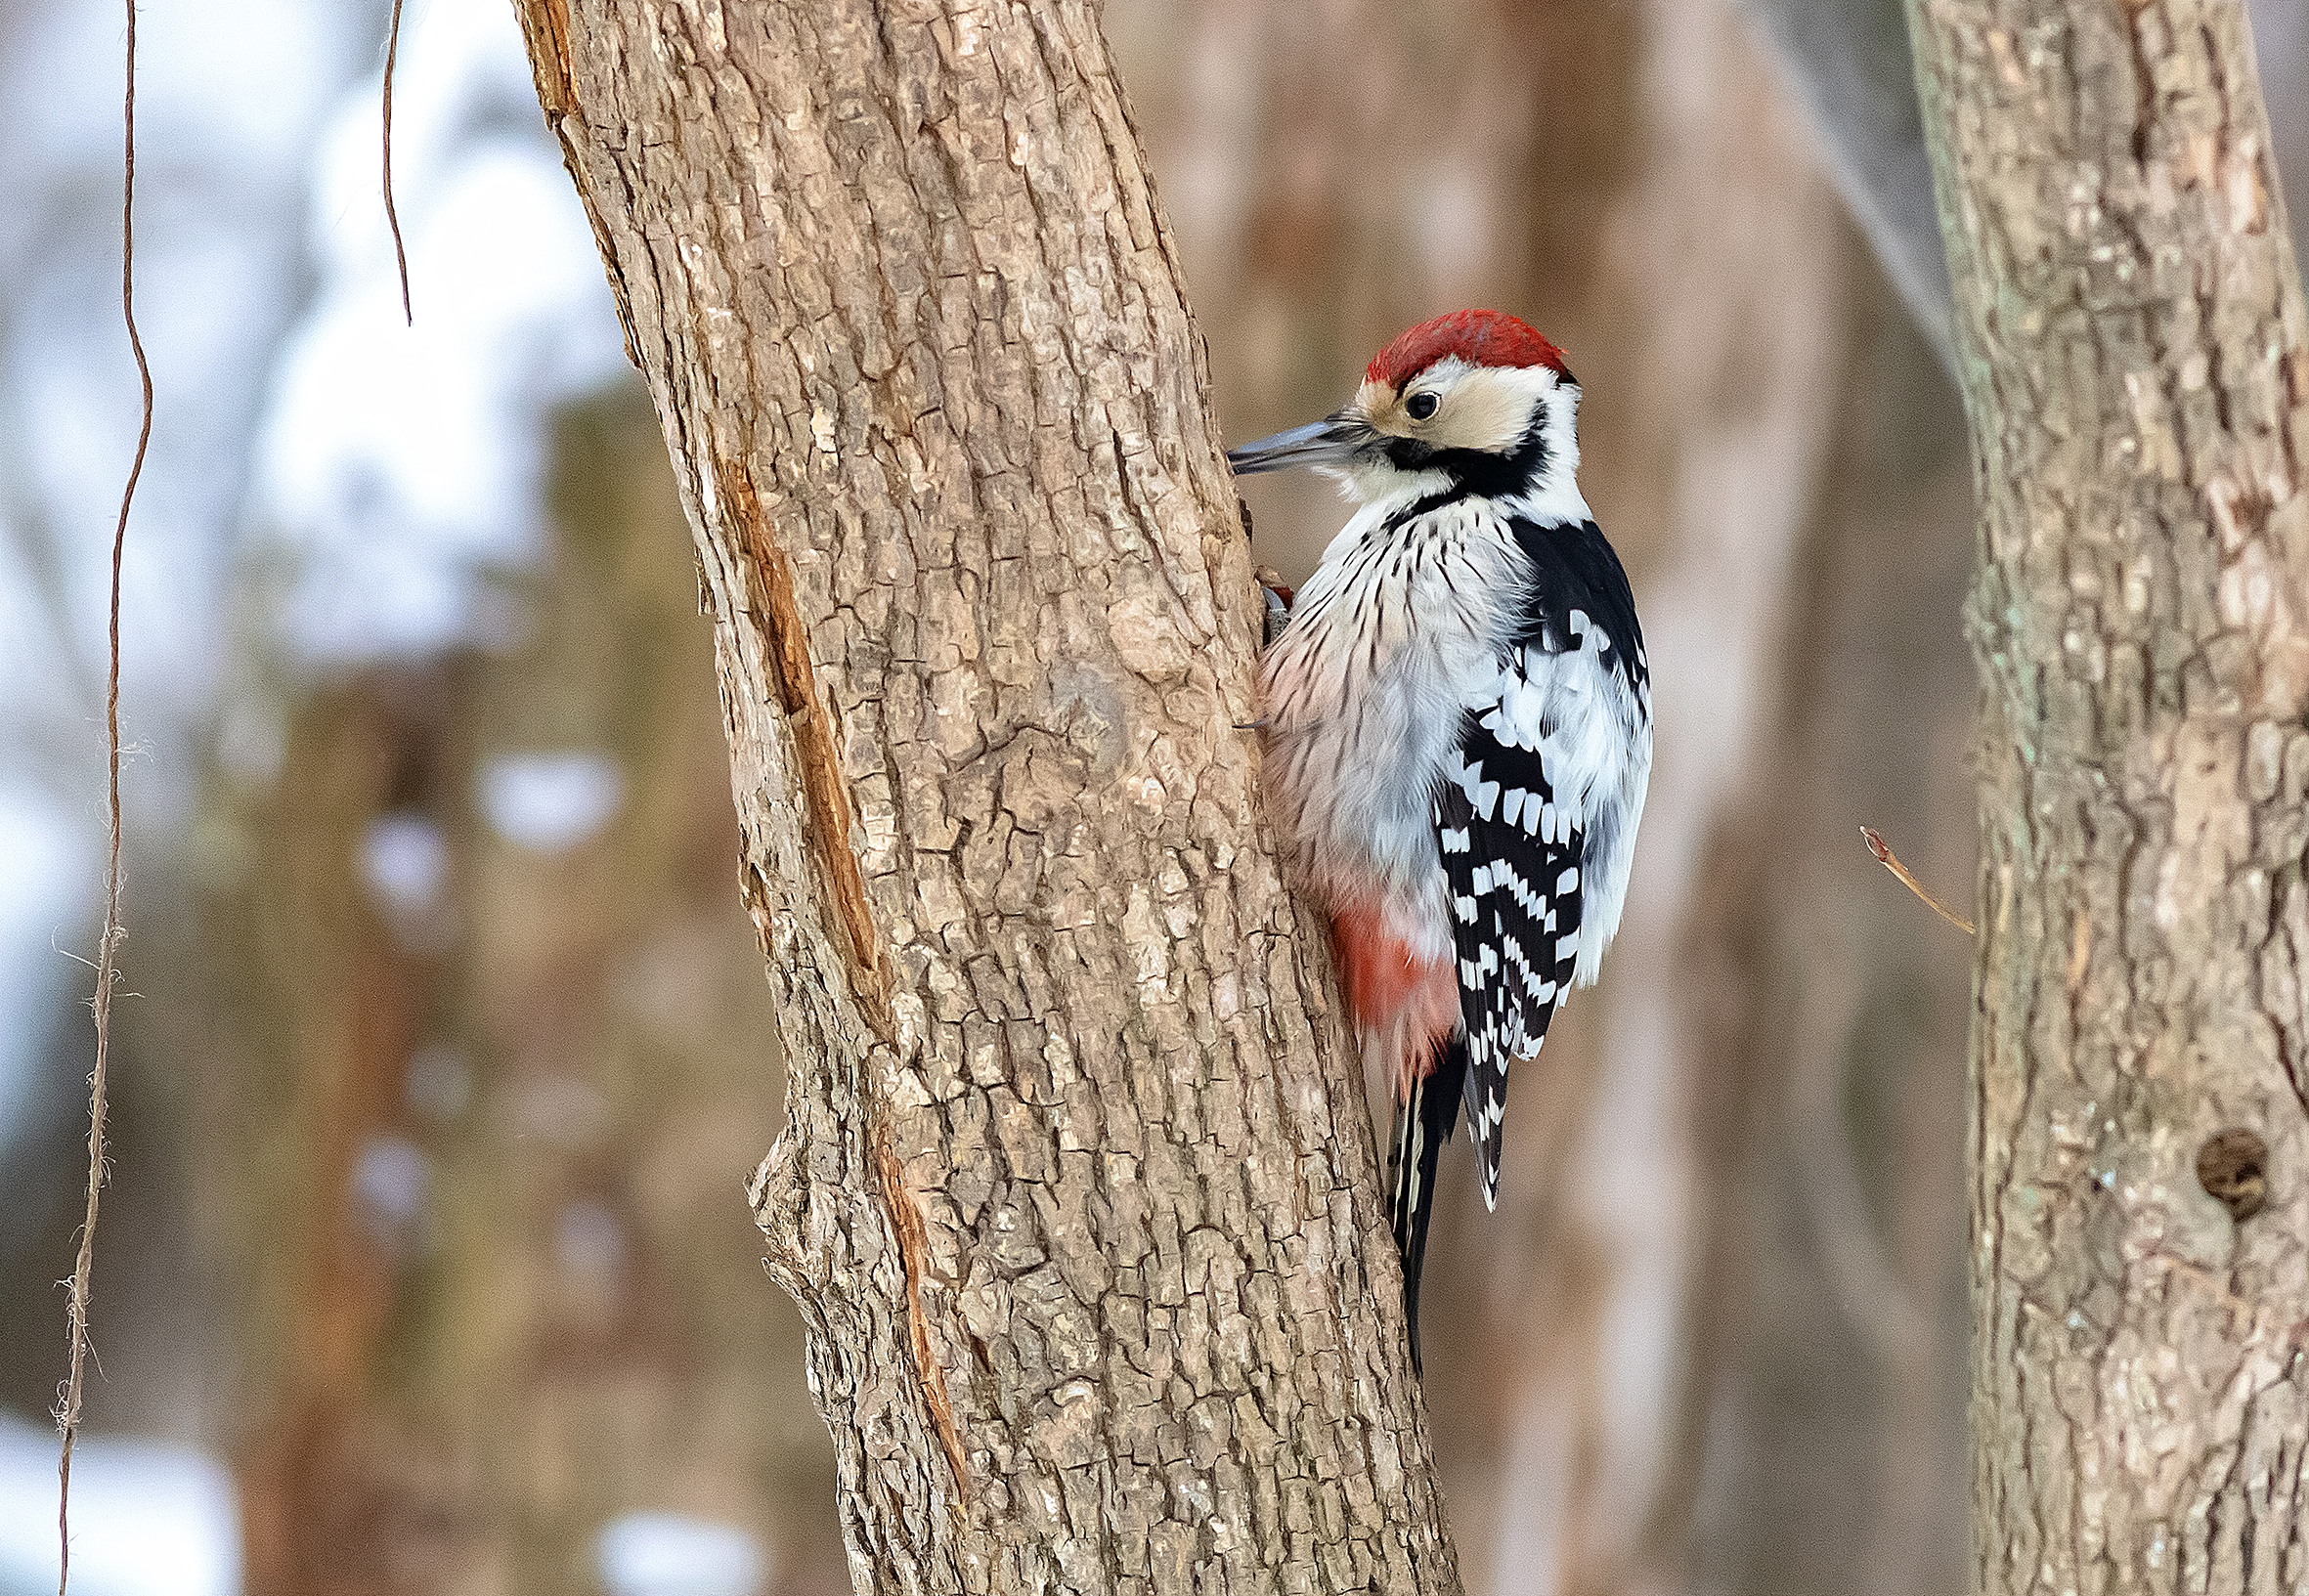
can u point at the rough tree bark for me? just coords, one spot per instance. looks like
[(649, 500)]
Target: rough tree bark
[(1077, 1189), (2132, 351)]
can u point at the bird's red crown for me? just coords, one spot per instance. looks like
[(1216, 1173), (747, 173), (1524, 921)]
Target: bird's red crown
[(1478, 337)]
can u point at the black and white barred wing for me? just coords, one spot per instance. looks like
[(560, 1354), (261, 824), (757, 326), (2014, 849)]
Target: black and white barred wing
[(1512, 858)]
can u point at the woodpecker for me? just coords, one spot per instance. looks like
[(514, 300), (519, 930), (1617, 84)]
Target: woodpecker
[(1458, 717)]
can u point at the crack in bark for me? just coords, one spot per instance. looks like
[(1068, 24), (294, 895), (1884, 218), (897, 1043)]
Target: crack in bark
[(546, 22), (913, 1239), (823, 784)]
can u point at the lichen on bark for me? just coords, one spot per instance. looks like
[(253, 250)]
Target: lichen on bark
[(1077, 1191)]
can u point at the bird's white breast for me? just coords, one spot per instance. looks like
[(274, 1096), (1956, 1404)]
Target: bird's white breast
[(1364, 692)]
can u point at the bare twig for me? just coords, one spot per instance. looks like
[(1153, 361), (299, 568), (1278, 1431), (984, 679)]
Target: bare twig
[(68, 1415), (392, 220), (1891, 862)]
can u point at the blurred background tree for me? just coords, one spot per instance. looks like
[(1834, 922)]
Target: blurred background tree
[(490, 1055), (416, 1193)]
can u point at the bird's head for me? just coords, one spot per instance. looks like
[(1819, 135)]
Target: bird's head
[(1470, 403)]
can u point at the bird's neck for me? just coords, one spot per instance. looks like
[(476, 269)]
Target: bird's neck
[(1546, 497)]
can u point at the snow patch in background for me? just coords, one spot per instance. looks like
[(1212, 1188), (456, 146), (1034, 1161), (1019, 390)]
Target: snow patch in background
[(405, 859), (390, 1181), (668, 1554), (401, 464), (148, 1518), (549, 803)]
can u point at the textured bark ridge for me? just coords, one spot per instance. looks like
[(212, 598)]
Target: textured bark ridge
[(2132, 347), (1076, 1191)]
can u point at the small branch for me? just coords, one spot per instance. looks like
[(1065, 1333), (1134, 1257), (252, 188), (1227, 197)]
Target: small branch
[(1891, 861), (68, 1415), (392, 219)]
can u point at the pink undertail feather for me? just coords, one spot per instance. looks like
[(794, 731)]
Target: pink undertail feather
[(1403, 1006), (1406, 1010)]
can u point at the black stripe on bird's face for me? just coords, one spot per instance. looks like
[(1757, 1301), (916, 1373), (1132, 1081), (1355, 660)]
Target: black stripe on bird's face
[(1483, 472)]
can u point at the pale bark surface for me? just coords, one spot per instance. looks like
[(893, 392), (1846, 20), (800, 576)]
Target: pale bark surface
[(1077, 1189), (2132, 347)]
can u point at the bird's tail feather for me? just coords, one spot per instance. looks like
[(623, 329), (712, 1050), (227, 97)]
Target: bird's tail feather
[(1422, 1129)]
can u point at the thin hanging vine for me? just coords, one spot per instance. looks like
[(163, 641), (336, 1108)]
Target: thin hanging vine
[(67, 1414)]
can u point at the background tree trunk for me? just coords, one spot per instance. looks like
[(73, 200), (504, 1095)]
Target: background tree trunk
[(1077, 1189), (2131, 345), (481, 1084)]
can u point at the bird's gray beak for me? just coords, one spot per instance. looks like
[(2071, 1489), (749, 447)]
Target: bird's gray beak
[(1331, 441)]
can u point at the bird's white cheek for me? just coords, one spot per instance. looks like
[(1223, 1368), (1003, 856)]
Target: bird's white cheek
[(1379, 481)]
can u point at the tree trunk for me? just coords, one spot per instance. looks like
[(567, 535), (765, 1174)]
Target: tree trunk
[(1077, 1191), (2131, 345), (320, 1013)]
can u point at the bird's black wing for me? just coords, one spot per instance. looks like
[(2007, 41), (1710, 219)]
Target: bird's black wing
[(1512, 858)]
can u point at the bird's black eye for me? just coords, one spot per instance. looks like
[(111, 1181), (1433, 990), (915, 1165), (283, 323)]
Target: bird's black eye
[(1422, 406)]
